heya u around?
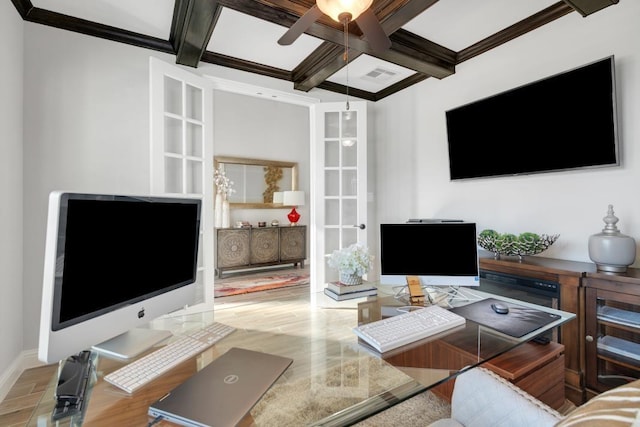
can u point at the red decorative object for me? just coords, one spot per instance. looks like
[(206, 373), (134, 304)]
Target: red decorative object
[(293, 216)]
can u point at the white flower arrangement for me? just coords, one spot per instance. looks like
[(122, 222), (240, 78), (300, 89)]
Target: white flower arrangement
[(352, 260), (223, 183)]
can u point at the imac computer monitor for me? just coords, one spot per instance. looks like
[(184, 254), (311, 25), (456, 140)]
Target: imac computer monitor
[(438, 253), (112, 264)]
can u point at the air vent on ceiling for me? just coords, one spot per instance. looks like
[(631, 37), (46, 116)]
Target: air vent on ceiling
[(378, 75)]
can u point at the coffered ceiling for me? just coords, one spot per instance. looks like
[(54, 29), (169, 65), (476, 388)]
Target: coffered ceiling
[(429, 37)]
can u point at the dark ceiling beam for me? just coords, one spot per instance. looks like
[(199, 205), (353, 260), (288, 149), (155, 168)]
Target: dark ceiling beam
[(587, 7), (243, 65), (319, 66), (23, 7), (193, 23), (539, 19), (402, 84), (416, 53), (371, 96), (90, 28), (353, 92), (178, 22)]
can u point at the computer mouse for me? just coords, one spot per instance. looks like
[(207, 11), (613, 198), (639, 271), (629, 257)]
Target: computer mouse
[(500, 308)]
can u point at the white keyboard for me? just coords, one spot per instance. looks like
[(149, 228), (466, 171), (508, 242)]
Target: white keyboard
[(396, 331), (144, 370)]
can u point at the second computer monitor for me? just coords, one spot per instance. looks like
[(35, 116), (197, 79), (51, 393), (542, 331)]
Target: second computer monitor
[(438, 253)]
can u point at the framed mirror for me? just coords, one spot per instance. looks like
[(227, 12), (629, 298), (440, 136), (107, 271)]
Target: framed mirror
[(255, 180)]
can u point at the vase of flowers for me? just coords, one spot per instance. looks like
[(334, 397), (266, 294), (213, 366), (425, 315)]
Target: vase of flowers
[(221, 206), (352, 263)]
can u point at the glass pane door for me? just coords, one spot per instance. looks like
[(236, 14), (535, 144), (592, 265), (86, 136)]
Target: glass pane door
[(182, 150), (341, 170)]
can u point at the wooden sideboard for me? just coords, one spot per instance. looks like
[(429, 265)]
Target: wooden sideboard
[(569, 274), (246, 248)]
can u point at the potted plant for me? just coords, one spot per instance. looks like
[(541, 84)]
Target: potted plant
[(352, 262)]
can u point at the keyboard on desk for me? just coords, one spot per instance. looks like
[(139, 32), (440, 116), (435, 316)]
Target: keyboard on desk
[(396, 331), (142, 371)]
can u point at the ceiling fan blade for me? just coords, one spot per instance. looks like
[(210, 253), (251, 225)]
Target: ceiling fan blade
[(300, 26), (368, 23)]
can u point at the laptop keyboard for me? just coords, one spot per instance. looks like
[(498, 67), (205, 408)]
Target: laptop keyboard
[(142, 371)]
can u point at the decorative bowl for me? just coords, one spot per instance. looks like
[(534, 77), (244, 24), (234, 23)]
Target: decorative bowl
[(512, 245)]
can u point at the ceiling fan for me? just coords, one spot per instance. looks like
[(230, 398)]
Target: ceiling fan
[(343, 11)]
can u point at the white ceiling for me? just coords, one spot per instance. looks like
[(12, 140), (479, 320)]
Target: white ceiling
[(454, 24)]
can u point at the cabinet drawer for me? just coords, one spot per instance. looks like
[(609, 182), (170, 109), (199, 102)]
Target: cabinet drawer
[(233, 248), (264, 245), (293, 243)]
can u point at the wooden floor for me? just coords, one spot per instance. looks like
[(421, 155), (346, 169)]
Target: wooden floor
[(286, 309)]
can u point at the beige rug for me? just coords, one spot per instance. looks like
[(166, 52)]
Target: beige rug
[(304, 401)]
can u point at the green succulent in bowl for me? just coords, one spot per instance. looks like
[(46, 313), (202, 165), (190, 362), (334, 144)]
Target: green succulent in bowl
[(526, 243), (505, 241), (528, 237), (488, 233)]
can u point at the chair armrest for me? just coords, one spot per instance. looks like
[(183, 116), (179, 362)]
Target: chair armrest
[(482, 398)]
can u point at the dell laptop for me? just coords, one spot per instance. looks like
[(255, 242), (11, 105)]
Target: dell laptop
[(222, 393)]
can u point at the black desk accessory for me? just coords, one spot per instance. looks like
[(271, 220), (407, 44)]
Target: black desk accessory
[(518, 322), (72, 385)]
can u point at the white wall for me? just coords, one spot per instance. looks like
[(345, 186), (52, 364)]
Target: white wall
[(412, 167), (11, 186), (86, 129)]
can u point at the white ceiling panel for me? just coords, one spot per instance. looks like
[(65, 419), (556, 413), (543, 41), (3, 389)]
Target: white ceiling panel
[(149, 17), (242, 36), (457, 24)]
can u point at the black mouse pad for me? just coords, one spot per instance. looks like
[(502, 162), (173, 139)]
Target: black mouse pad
[(518, 322)]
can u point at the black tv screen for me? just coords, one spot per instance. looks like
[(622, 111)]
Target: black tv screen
[(566, 121)]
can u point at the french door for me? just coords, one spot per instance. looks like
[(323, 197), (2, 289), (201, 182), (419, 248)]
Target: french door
[(339, 184), (181, 151), (182, 163)]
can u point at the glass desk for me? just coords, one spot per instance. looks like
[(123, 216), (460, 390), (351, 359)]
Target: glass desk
[(333, 381)]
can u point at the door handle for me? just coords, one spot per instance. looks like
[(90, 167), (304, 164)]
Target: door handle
[(361, 226)]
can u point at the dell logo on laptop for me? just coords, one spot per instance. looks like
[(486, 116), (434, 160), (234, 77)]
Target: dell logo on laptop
[(231, 379)]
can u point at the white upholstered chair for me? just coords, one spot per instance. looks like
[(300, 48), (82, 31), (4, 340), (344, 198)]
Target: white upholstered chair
[(483, 399)]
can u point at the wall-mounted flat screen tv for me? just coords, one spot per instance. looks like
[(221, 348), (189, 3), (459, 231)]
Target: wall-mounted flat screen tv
[(566, 121)]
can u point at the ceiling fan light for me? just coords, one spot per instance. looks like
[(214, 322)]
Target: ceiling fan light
[(333, 8)]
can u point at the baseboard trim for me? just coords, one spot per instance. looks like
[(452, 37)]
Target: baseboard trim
[(26, 360)]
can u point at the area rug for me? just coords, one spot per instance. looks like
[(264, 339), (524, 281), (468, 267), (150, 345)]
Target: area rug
[(260, 282), (303, 401)]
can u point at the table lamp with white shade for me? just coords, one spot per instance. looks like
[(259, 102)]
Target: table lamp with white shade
[(278, 197), (295, 199)]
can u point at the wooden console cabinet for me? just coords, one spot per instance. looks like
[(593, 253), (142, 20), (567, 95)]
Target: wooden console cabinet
[(569, 274), (612, 329), (245, 248)]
